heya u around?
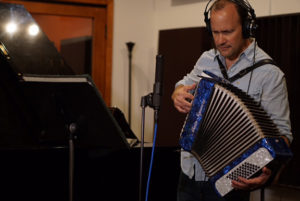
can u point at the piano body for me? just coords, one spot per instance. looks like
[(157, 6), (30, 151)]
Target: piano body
[(22, 53), (41, 97), (33, 143)]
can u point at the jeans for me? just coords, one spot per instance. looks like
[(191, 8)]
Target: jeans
[(191, 190)]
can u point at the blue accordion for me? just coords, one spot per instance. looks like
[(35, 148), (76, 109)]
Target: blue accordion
[(230, 134)]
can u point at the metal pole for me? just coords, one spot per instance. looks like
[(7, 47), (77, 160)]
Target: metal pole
[(143, 105)]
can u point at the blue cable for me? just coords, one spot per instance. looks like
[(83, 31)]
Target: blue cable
[(151, 162)]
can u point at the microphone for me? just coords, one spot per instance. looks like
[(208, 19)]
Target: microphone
[(158, 85)]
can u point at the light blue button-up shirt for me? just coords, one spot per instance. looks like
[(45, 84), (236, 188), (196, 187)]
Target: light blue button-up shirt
[(266, 85)]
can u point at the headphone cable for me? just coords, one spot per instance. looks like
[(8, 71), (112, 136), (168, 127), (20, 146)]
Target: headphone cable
[(254, 52)]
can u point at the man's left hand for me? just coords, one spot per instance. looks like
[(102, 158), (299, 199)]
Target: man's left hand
[(253, 183)]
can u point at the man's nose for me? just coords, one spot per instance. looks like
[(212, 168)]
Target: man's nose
[(220, 39)]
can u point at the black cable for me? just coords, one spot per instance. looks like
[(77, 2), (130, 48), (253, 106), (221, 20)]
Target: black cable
[(250, 79)]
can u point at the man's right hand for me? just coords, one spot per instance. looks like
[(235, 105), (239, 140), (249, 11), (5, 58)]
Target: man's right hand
[(182, 98)]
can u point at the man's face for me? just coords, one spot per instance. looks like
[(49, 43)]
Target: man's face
[(227, 32)]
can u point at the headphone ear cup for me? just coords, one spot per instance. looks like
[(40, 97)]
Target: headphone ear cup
[(208, 28), (245, 28), (249, 27)]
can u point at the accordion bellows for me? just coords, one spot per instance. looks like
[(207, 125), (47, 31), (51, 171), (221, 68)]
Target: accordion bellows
[(230, 134)]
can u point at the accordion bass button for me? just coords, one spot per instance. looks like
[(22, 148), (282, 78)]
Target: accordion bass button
[(248, 167)]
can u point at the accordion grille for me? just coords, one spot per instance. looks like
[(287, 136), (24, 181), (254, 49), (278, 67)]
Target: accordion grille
[(233, 123)]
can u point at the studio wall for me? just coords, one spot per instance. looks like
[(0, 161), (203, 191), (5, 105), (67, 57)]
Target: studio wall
[(140, 21)]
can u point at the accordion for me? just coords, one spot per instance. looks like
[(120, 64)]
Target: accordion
[(230, 134)]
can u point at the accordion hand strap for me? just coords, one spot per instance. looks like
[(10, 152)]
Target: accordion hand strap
[(244, 71)]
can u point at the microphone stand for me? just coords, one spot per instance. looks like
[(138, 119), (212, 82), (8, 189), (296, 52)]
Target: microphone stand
[(72, 136), (152, 100), (143, 105)]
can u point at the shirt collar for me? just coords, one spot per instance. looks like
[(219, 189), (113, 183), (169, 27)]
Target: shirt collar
[(247, 53)]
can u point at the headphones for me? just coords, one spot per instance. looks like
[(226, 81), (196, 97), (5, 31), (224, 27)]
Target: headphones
[(248, 25)]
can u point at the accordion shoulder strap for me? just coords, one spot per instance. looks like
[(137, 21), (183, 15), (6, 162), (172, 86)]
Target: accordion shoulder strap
[(251, 68), (244, 71)]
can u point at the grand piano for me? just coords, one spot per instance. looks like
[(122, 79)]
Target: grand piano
[(36, 113)]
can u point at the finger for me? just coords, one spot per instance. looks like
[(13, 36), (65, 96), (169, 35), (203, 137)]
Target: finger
[(190, 87), (251, 183), (244, 184), (266, 171), (184, 100), (182, 109), (261, 179), (240, 185), (182, 95), (182, 106), (185, 93), (180, 101), (243, 180), (188, 97)]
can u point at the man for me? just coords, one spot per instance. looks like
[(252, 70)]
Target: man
[(266, 84)]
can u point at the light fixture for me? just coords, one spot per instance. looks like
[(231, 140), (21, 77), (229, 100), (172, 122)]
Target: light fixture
[(33, 30), (11, 27)]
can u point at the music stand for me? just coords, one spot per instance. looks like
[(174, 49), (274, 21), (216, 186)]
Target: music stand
[(69, 109), (64, 103)]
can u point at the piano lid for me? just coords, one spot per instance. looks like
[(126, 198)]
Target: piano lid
[(25, 46)]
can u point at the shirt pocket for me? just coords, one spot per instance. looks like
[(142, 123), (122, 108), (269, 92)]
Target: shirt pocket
[(256, 94)]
